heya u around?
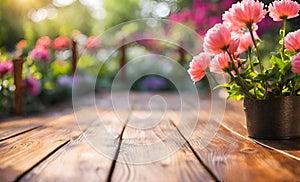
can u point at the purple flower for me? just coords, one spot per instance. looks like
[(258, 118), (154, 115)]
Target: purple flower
[(31, 86), (67, 81), (153, 83)]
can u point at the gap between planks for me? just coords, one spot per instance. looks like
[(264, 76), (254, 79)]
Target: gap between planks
[(42, 160), (20, 133), (113, 164), (195, 153), (206, 168)]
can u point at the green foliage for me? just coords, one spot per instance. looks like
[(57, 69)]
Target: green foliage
[(6, 94), (277, 80), (120, 11)]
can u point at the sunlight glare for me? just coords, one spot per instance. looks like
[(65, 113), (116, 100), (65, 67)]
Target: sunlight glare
[(62, 3), (162, 9), (95, 7)]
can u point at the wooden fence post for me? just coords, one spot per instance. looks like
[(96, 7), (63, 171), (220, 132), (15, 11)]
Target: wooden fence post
[(181, 52), (74, 56), (18, 98), (123, 60)]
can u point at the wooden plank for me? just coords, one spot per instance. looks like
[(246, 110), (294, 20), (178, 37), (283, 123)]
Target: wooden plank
[(82, 159), (76, 161), (153, 153), (21, 153), (13, 126), (46, 155), (16, 126), (231, 157)]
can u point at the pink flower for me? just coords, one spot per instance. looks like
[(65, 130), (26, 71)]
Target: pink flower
[(44, 41), (92, 43), (296, 64), (217, 39), (292, 41), (40, 53), (244, 14), (219, 63), (6, 67), (245, 41), (233, 46), (284, 9), (31, 86), (61, 43), (198, 66)]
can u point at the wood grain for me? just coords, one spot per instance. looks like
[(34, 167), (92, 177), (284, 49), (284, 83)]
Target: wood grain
[(231, 157), (76, 161), (149, 154), (18, 96), (20, 153), (17, 126), (53, 148), (13, 126), (82, 159)]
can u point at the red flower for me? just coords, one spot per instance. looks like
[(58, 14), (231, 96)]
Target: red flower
[(61, 43), (21, 44), (92, 43), (44, 41)]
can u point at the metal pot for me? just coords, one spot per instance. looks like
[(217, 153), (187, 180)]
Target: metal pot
[(277, 118)]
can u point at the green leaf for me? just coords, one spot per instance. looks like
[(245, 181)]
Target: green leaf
[(289, 53), (235, 92), (289, 76), (275, 61), (225, 85), (260, 77)]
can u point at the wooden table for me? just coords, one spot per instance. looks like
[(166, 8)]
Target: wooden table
[(51, 146)]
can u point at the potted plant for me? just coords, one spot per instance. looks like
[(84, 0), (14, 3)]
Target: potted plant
[(270, 89)]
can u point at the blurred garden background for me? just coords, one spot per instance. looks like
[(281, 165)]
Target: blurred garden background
[(52, 35)]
